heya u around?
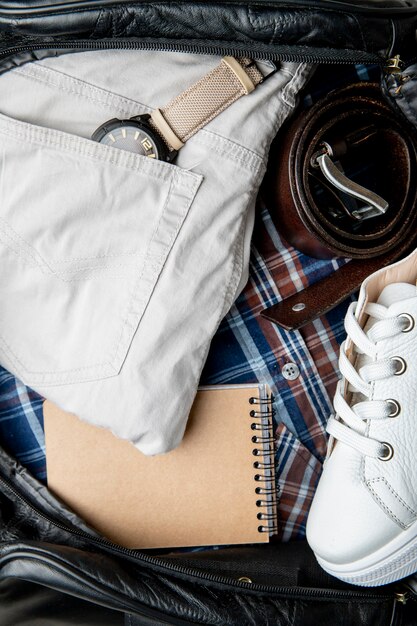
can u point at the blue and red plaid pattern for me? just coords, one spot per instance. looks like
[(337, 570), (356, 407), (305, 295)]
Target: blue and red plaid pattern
[(21, 424), (248, 348)]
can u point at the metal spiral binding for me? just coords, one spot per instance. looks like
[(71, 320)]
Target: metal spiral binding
[(254, 400), (260, 478), (268, 439), (267, 516), (260, 465), (264, 491), (265, 466), (261, 503), (269, 413), (259, 452)]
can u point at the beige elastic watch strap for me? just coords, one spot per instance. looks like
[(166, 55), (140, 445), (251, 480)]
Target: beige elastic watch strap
[(200, 103)]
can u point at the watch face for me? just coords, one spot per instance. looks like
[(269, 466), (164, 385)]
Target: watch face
[(131, 136)]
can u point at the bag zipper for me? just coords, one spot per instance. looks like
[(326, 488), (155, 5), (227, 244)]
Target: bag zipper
[(284, 53), (108, 595), (240, 583)]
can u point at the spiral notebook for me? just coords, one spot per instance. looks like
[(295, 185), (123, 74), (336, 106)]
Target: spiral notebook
[(217, 487)]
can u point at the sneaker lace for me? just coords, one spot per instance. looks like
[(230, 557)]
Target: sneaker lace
[(350, 422)]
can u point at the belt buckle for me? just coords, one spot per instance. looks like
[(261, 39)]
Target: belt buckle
[(320, 216), (374, 206)]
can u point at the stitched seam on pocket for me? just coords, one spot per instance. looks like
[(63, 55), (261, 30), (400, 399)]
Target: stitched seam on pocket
[(237, 261), (22, 248), (83, 149), (222, 145), (229, 149), (88, 149), (107, 368), (19, 246), (87, 91), (185, 185), (135, 308), (98, 256), (141, 303)]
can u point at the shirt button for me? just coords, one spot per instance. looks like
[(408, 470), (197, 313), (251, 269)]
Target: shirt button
[(290, 371)]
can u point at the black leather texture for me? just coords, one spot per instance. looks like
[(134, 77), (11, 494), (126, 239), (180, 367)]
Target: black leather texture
[(339, 32), (47, 546), (361, 6), (53, 568)]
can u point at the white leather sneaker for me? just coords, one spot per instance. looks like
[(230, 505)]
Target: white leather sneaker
[(362, 524)]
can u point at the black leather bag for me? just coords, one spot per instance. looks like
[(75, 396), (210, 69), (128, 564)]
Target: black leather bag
[(53, 568)]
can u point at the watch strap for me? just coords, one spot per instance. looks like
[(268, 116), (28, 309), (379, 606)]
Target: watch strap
[(183, 116)]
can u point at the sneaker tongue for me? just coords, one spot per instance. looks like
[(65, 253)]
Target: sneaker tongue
[(396, 292)]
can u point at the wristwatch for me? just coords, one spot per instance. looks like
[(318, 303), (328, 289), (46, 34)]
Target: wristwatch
[(162, 133)]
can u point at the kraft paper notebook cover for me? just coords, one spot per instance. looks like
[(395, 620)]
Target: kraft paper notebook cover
[(211, 490)]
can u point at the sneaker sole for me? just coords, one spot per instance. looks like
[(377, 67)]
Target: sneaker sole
[(397, 559)]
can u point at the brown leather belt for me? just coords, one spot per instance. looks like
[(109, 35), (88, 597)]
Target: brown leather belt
[(370, 146)]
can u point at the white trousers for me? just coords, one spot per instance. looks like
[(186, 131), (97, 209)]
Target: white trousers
[(117, 269)]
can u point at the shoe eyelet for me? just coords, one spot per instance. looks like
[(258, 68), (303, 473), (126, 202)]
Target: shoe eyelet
[(402, 365), (410, 320), (396, 407), (389, 452)]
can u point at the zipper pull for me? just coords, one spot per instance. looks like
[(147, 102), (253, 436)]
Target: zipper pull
[(401, 596), (393, 70), (394, 65)]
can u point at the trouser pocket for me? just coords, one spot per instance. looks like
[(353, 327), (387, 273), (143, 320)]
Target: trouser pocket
[(85, 231)]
